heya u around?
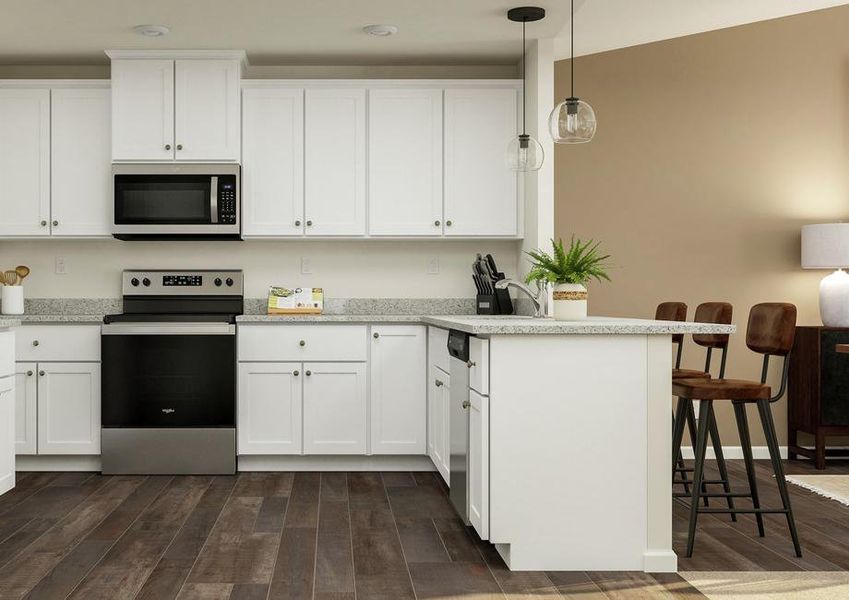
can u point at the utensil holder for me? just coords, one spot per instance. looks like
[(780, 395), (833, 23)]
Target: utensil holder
[(12, 300)]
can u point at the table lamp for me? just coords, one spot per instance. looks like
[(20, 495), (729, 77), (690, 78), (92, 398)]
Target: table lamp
[(826, 246)]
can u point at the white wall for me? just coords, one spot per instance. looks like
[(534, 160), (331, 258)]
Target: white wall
[(345, 269)]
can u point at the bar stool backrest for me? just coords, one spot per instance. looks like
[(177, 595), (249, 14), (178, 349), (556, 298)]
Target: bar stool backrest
[(673, 311), (770, 331), (713, 312)]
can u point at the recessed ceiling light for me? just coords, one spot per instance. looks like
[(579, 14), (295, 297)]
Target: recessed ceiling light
[(151, 30), (380, 30)]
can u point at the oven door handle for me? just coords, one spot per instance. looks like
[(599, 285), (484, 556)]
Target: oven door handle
[(213, 200), (168, 329)]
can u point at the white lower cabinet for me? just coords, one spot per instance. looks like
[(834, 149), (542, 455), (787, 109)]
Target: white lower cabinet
[(26, 411), (335, 408), (269, 419), (439, 395), (479, 463), (398, 394), (68, 408)]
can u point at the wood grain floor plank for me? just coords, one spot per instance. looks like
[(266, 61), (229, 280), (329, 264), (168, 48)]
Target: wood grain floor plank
[(334, 568), (249, 591), (398, 479), (24, 489), (206, 591), (295, 567), (124, 569), (458, 542), (420, 541), (454, 581), (575, 585)]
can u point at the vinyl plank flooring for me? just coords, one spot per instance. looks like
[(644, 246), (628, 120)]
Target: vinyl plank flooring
[(420, 541), (25, 488), (575, 585), (457, 540), (398, 479), (334, 568), (422, 502), (454, 581), (124, 569)]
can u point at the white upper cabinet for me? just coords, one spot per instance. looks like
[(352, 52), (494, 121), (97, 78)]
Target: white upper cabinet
[(81, 178), (405, 162), (143, 110), (481, 195), (272, 161), (335, 162), (398, 389), (25, 162), (185, 107), (207, 110)]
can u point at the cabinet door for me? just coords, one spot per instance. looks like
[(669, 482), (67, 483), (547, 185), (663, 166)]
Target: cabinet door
[(207, 110), (81, 178), (440, 388), (25, 408), (479, 463), (272, 162), (24, 162), (68, 408), (405, 162), (334, 408), (143, 110), (269, 408), (398, 389), (481, 193), (335, 161)]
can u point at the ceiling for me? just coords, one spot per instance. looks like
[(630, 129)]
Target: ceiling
[(329, 32)]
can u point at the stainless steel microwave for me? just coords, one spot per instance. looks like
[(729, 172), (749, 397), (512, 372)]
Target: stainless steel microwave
[(176, 201)]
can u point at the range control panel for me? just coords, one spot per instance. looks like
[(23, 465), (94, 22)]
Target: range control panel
[(185, 283)]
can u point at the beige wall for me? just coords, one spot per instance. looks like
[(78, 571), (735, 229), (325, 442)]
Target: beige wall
[(712, 151)]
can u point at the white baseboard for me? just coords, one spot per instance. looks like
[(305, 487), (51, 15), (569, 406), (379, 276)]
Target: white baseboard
[(57, 463), (335, 463), (735, 452)]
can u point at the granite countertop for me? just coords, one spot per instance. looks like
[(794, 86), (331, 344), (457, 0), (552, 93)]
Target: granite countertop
[(514, 325), (368, 318), (6, 322)]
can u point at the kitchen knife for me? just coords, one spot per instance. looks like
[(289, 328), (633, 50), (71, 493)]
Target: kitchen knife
[(491, 262)]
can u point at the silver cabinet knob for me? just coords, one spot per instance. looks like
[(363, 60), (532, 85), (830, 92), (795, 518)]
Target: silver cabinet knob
[(296, 373), (438, 383), (35, 342), (470, 364), (29, 373), (375, 335), (55, 223), (44, 223), (179, 146), (298, 223), (437, 223), (302, 343), (449, 223), (309, 223), (308, 373), (466, 404), (167, 146), (41, 373)]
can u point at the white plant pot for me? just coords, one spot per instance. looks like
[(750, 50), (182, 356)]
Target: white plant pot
[(834, 299), (570, 302), (12, 300)]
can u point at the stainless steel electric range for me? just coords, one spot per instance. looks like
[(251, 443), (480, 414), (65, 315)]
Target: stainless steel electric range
[(169, 374)]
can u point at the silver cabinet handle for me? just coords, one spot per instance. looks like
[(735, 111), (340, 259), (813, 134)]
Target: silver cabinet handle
[(44, 223), (308, 373), (309, 223), (375, 335), (470, 364), (179, 146), (466, 404), (167, 146), (439, 383), (296, 373), (449, 223), (302, 343), (29, 373), (297, 223), (55, 223), (437, 223), (41, 373), (35, 342)]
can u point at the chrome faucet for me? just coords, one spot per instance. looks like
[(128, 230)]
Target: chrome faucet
[(539, 299)]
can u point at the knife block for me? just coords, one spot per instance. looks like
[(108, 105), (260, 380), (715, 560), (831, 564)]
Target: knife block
[(498, 303)]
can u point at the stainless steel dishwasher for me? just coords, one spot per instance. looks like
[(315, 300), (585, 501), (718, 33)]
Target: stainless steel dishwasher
[(458, 348)]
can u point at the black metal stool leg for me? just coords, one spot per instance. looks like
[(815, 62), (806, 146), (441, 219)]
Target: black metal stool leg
[(720, 462), (682, 466), (678, 432), (746, 445), (705, 415), (775, 456), (691, 425)]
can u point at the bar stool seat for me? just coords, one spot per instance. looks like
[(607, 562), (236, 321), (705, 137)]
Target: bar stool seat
[(689, 374), (720, 389)]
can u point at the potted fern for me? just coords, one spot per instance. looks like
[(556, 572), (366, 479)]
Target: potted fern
[(568, 271)]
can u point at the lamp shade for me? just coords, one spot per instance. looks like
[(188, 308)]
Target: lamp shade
[(825, 246)]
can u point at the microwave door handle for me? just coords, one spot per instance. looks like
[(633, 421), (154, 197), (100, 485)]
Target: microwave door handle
[(213, 200)]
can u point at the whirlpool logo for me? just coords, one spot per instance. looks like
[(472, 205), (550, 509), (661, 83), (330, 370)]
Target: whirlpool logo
[(168, 411)]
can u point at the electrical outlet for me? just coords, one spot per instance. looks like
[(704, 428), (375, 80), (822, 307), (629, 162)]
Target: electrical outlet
[(306, 266), (433, 265), (61, 265)]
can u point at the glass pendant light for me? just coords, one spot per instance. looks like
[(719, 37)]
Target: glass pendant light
[(573, 120), (524, 153)]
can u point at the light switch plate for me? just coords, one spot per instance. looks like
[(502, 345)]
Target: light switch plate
[(306, 266), (433, 265), (61, 266)]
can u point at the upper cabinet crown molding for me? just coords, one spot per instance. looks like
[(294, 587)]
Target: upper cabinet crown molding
[(121, 54)]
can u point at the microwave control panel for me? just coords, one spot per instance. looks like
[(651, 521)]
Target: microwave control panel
[(227, 200)]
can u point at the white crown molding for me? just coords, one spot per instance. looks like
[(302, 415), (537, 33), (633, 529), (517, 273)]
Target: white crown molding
[(380, 83), (240, 55), (56, 83)]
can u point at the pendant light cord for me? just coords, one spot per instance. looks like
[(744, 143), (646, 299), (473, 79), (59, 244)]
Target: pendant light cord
[(524, 77), (572, 41)]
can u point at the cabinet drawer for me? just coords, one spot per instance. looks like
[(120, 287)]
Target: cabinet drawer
[(67, 343), (302, 343), (479, 371)]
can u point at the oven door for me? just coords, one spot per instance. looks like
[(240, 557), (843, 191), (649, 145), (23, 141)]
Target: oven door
[(168, 375)]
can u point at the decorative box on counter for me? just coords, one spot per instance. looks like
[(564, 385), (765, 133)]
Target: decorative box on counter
[(296, 301)]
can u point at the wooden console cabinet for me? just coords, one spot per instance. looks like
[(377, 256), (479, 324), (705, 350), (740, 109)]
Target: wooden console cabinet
[(818, 394)]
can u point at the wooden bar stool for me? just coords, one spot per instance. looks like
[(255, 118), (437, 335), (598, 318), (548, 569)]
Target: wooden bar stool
[(770, 332), (719, 313)]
